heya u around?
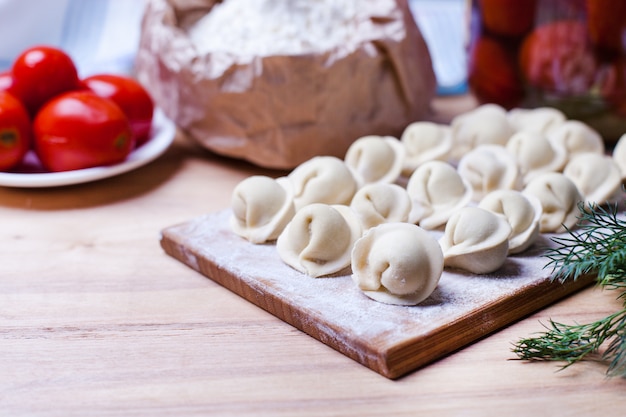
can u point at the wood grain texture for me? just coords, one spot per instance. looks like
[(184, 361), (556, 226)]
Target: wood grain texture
[(391, 340), (96, 320)]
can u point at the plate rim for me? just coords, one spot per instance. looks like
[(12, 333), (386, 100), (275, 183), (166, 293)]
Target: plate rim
[(164, 134)]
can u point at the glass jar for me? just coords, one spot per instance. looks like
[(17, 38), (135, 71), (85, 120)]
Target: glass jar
[(568, 54)]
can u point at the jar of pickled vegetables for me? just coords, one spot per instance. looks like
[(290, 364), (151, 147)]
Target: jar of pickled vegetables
[(568, 54)]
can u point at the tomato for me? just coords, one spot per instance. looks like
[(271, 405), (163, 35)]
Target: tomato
[(6, 80), (492, 73), (606, 21), (558, 57), (613, 85), (508, 17), (132, 98), (42, 72), (15, 131), (79, 129)]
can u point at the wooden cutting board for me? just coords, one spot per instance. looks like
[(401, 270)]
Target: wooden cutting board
[(391, 340)]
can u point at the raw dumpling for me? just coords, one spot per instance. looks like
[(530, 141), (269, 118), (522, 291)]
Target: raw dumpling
[(322, 179), (397, 263), (425, 141), (436, 190), (535, 154), (381, 203), (597, 176), (523, 213), (475, 240), (539, 120), (488, 168), (375, 159), (577, 137), (261, 207), (619, 154), (486, 125), (559, 198), (318, 240)]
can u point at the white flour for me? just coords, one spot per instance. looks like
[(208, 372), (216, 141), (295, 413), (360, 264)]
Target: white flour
[(274, 27)]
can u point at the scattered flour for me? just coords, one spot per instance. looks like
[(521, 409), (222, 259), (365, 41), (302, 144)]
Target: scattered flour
[(334, 305)]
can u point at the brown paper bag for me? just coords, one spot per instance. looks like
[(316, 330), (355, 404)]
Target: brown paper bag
[(371, 75)]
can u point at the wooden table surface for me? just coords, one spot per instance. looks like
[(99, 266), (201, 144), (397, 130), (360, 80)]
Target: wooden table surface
[(96, 320)]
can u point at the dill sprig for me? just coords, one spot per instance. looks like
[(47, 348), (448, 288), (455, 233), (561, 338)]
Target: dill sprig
[(597, 246)]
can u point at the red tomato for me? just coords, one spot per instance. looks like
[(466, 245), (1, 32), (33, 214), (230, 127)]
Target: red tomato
[(42, 72), (492, 73), (6, 80), (132, 98), (613, 85), (508, 17), (79, 130), (606, 20), (558, 57), (15, 131)]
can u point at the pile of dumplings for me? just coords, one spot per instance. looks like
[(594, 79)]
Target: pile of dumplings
[(395, 212)]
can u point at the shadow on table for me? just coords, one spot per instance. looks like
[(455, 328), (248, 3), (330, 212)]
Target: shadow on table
[(125, 186)]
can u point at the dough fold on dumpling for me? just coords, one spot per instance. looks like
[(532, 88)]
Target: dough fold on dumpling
[(523, 212), (261, 207), (488, 168), (577, 137), (397, 263), (378, 203), (475, 240), (597, 176), (535, 154), (436, 190), (322, 179), (488, 124), (318, 240), (375, 159), (619, 154), (539, 120), (559, 198), (425, 141)]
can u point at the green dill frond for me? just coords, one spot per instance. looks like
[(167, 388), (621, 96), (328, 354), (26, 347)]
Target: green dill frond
[(573, 343), (615, 354), (596, 246)]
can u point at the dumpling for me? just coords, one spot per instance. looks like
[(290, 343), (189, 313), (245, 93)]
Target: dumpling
[(318, 240), (397, 263), (475, 240), (559, 198), (523, 212), (322, 179), (577, 137), (381, 203), (539, 120), (535, 154), (375, 159), (488, 168), (597, 176), (619, 154), (425, 141), (436, 190), (261, 207), (488, 124)]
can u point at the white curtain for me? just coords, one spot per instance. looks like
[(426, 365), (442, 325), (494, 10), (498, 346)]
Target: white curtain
[(100, 35)]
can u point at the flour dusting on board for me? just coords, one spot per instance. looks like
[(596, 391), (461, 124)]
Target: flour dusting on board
[(337, 302), (390, 339)]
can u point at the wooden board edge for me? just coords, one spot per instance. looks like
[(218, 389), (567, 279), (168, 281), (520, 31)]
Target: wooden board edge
[(408, 357), (397, 361)]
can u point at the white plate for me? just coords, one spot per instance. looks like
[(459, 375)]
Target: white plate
[(163, 133)]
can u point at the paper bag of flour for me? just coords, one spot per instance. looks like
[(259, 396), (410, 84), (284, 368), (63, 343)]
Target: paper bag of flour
[(276, 82)]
